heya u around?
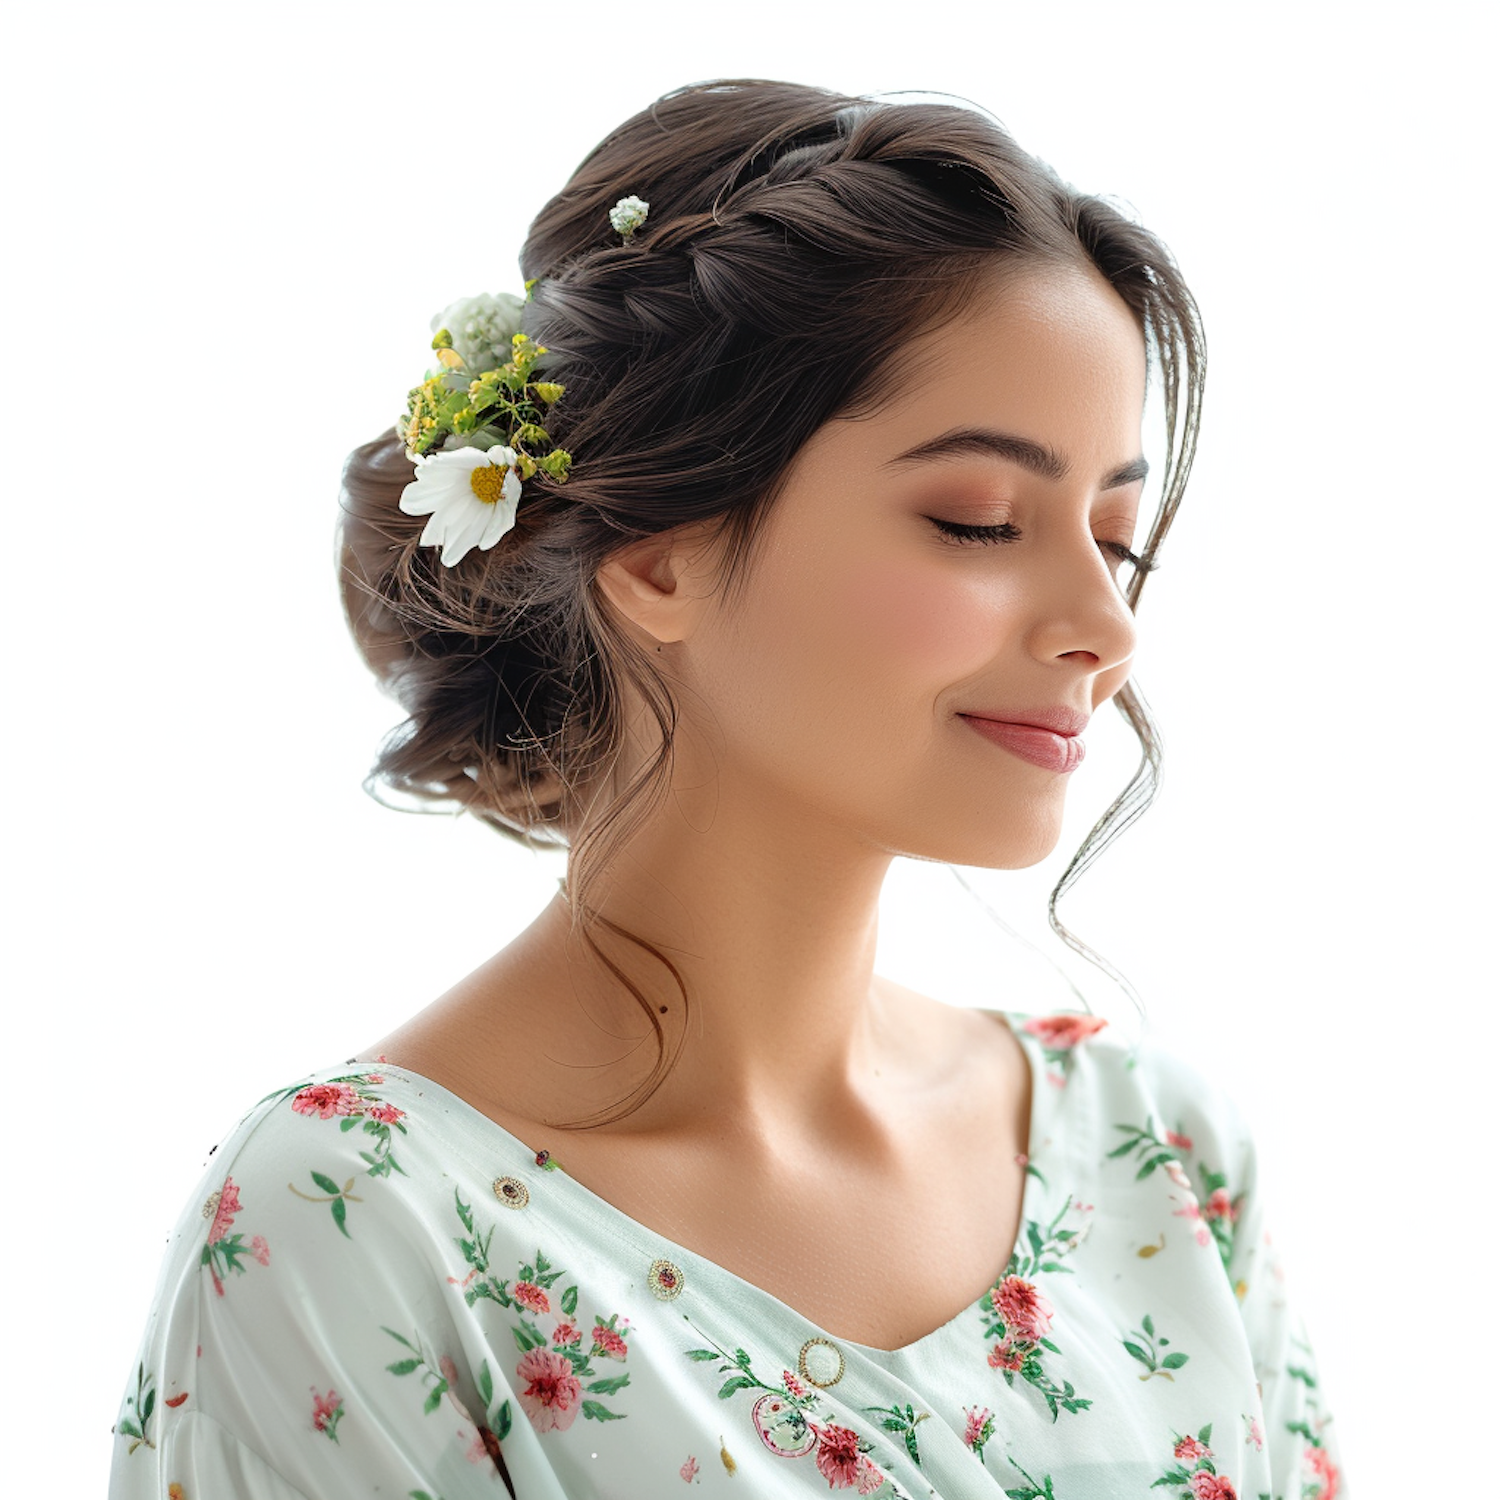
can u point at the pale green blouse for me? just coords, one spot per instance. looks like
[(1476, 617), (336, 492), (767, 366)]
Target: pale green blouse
[(377, 1291)]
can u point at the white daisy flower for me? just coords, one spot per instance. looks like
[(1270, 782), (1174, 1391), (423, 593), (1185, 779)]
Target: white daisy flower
[(469, 495)]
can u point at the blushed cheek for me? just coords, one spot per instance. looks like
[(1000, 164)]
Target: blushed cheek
[(922, 624)]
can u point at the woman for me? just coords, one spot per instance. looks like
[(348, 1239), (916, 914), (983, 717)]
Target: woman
[(786, 528)]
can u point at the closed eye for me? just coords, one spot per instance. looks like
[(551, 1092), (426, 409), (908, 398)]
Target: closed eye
[(1004, 531)]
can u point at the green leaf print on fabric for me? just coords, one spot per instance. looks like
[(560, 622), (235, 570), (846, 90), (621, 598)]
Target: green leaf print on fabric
[(1149, 1151), (1033, 1489), (442, 1381), (784, 1419), (1321, 1476), (1018, 1318), (556, 1368), (135, 1415), (1219, 1211), (224, 1252), (1145, 1344), (349, 1100), (332, 1194), (497, 1419), (416, 1361), (902, 1420), (1214, 1215)]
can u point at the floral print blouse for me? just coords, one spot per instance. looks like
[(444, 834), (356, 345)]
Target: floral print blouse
[(377, 1291)]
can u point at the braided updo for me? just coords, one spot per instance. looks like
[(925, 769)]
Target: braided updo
[(797, 239)]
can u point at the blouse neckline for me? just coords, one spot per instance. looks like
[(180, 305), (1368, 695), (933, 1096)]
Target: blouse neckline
[(617, 1225)]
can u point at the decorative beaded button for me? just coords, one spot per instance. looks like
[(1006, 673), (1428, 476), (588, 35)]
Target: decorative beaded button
[(512, 1193), (821, 1362), (665, 1279)]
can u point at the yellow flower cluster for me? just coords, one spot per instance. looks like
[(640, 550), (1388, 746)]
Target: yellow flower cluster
[(504, 406)]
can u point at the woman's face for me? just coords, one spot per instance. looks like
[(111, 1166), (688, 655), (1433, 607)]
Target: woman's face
[(830, 702)]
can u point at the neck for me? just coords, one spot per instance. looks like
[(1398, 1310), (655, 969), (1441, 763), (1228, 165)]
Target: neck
[(775, 947)]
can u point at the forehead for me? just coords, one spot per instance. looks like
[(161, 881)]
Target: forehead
[(1052, 353)]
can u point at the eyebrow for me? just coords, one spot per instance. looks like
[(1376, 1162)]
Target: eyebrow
[(1037, 457)]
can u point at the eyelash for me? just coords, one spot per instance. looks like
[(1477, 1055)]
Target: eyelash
[(1005, 532)]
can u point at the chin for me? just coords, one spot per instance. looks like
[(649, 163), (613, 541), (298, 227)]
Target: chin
[(1021, 859), (1017, 846)]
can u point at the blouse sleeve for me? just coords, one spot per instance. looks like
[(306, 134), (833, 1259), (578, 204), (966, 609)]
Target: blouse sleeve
[(1294, 1426), (302, 1343)]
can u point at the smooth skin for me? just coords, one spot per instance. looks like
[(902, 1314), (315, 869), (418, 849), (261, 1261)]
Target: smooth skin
[(846, 1144)]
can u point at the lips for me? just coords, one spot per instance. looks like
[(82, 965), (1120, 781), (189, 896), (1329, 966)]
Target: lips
[(1047, 737), (1063, 721)]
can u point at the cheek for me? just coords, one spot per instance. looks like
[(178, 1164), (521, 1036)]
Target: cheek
[(924, 622)]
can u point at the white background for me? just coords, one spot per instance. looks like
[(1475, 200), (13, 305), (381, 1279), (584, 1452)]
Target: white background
[(228, 229)]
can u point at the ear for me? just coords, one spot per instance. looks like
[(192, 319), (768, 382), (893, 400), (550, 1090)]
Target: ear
[(659, 584)]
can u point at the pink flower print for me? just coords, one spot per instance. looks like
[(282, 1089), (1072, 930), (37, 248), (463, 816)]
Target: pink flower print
[(325, 1100), (260, 1250), (869, 1476), (326, 1412), (609, 1343), (224, 1211), (1206, 1486), (566, 1333), (1004, 1357), (1027, 1314), (1064, 1031), (689, 1470), (552, 1394), (375, 1079), (387, 1114), (1219, 1206), (838, 1456), (794, 1386), (1180, 1141), (485, 1446), (447, 1369), (975, 1418), (1318, 1465), (1190, 1210), (1190, 1450), (1173, 1169), (531, 1296)]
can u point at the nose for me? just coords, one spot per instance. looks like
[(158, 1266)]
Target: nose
[(1079, 612)]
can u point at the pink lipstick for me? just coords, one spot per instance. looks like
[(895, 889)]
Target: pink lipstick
[(1045, 747)]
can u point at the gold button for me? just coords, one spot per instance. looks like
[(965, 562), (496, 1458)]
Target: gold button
[(821, 1362), (666, 1280), (512, 1192)]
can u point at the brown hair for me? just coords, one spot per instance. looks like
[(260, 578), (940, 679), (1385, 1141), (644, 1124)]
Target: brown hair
[(797, 238)]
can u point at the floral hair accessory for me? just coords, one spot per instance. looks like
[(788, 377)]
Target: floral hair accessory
[(475, 427), (628, 215)]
